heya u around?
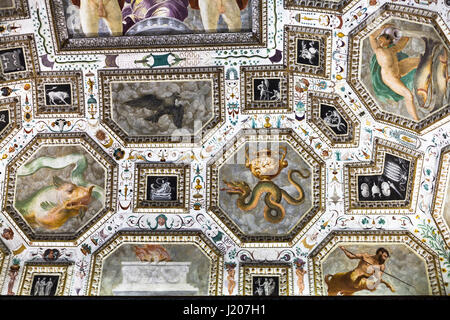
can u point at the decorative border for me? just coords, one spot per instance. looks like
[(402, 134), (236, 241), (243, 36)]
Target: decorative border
[(215, 74), (64, 271), (5, 257), (184, 237), (142, 170), (15, 118), (26, 42), (352, 171), (283, 271), (249, 106), (351, 139), (441, 193), (200, 41), (388, 11), (75, 79), (19, 10), (323, 36), (263, 135), (335, 238), (49, 139), (329, 5)]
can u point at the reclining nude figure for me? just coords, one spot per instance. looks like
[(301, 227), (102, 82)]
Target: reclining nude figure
[(396, 69)]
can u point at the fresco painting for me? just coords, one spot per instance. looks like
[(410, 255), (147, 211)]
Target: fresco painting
[(207, 148), (405, 66), (61, 189), (87, 18), (371, 269), (156, 269)]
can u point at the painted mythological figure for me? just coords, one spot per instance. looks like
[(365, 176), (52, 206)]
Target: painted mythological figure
[(51, 206), (396, 76), (366, 276)]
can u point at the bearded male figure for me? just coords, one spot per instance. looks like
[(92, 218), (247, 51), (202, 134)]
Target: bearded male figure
[(366, 276)]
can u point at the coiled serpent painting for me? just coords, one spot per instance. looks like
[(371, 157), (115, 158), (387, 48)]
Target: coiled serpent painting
[(266, 167)]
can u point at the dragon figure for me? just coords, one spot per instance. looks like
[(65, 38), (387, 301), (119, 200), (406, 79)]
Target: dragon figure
[(265, 167)]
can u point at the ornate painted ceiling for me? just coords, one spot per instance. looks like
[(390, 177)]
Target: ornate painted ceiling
[(224, 147)]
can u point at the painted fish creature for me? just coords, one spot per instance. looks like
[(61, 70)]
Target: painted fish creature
[(424, 71), (52, 206), (442, 75)]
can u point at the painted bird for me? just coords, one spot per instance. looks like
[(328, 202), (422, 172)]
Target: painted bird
[(170, 106)]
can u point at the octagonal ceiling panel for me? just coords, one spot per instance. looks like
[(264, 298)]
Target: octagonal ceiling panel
[(268, 184), (336, 273), (254, 214), (59, 186), (400, 66), (126, 266)]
